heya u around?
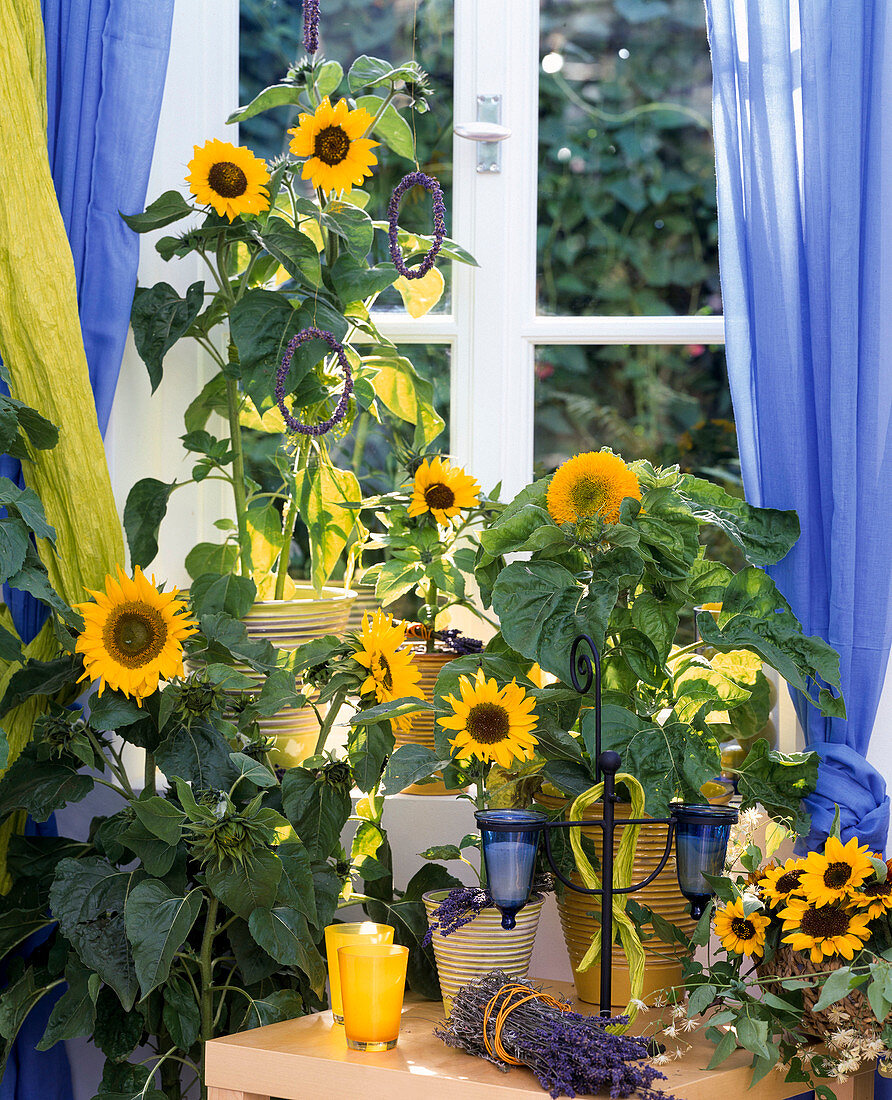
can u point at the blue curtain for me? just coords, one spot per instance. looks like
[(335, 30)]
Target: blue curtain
[(106, 63), (802, 99)]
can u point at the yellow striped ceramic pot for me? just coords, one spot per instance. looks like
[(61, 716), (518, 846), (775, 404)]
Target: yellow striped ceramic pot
[(418, 729), (288, 624), (482, 945)]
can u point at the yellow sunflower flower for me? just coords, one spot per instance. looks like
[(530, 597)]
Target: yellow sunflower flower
[(392, 672), (491, 724), (742, 934), (777, 883), (443, 490), (873, 898), (332, 139), (133, 635), (229, 178), (836, 872), (591, 484), (824, 930)]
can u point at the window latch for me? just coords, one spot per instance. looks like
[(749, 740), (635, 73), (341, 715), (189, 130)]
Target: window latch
[(487, 131)]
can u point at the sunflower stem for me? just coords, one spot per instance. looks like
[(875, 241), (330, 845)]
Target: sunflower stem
[(430, 615), (388, 99), (300, 460), (149, 781), (206, 967), (238, 468), (333, 708)]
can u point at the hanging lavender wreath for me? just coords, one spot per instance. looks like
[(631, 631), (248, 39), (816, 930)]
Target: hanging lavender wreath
[(311, 25), (416, 179), (303, 337)]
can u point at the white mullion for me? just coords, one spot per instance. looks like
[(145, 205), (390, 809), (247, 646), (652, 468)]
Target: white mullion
[(625, 330), (495, 218)]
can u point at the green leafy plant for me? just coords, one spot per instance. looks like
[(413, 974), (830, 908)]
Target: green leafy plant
[(626, 581), (290, 261)]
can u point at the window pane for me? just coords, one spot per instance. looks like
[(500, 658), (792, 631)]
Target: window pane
[(627, 211), (669, 404), (271, 40)]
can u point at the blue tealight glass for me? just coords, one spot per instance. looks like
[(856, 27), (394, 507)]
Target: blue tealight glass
[(701, 845), (510, 841)]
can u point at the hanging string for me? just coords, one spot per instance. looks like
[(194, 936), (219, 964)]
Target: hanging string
[(413, 112), (514, 997)]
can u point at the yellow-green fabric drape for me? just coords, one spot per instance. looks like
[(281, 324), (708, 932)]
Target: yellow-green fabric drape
[(41, 343), (622, 877)]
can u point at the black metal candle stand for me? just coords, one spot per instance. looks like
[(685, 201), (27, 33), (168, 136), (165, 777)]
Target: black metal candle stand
[(524, 827)]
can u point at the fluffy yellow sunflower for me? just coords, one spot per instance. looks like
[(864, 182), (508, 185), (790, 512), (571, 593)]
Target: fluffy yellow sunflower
[(392, 672), (742, 934), (591, 484), (332, 140), (823, 929), (777, 883), (133, 635), (229, 178), (491, 724), (873, 898), (836, 872), (443, 490)]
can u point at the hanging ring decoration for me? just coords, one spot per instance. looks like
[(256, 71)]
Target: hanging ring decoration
[(430, 184), (311, 25), (304, 337)]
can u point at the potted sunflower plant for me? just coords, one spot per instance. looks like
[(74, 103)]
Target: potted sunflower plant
[(285, 316), (618, 552), (486, 729), (803, 958), (428, 535)]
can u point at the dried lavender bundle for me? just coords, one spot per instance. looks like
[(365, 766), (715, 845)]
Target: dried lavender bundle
[(570, 1054), (460, 906)]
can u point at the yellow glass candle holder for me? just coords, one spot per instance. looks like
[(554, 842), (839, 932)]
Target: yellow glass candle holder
[(373, 980), (342, 935)]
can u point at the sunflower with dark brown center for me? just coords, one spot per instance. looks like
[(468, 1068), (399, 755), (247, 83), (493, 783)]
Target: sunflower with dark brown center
[(442, 490), (874, 898), (392, 672), (133, 635), (777, 883), (490, 723), (824, 930), (836, 872), (333, 140), (229, 178), (742, 933)]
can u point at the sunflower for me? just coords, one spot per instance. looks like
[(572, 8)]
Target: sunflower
[(777, 883), (742, 934), (492, 724), (873, 898), (836, 872), (823, 929), (229, 178), (392, 673), (332, 139), (442, 490), (591, 484), (133, 635)]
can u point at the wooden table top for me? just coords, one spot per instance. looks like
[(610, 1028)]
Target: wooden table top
[(308, 1057)]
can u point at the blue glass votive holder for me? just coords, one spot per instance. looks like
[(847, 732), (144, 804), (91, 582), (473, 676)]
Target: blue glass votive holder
[(701, 846), (510, 840)]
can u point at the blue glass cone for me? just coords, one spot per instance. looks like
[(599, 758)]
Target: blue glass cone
[(510, 841), (701, 845)]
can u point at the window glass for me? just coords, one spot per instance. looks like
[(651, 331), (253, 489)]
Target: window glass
[(669, 404), (271, 41), (627, 208)]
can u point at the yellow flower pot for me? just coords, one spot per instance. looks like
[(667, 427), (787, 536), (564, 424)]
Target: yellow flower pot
[(288, 624), (482, 945), (418, 729)]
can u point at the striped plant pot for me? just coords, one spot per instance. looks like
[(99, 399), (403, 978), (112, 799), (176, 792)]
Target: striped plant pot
[(288, 624), (663, 961), (419, 728), (482, 945)]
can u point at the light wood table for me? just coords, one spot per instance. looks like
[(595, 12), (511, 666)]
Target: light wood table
[(307, 1059)]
